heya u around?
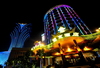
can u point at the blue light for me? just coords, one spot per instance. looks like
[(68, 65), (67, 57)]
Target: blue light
[(22, 25), (19, 35), (45, 16), (4, 57)]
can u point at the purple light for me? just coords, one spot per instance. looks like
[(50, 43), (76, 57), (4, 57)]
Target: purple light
[(58, 6)]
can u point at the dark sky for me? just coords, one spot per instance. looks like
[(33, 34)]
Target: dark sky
[(33, 12)]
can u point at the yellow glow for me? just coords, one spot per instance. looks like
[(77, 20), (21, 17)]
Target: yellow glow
[(86, 49), (97, 29), (79, 49), (36, 43), (75, 55), (60, 36), (67, 34), (56, 53), (67, 56), (75, 34), (69, 49), (39, 42), (54, 39), (61, 29), (31, 48), (61, 52), (42, 56), (67, 41)]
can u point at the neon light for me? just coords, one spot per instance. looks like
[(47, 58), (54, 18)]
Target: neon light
[(75, 22), (19, 35), (82, 21), (74, 18), (67, 34), (22, 25), (54, 40), (65, 19), (45, 16), (54, 20), (4, 57), (75, 34), (79, 23), (60, 36)]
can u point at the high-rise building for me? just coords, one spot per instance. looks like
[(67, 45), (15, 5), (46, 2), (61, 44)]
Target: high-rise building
[(19, 35), (63, 15)]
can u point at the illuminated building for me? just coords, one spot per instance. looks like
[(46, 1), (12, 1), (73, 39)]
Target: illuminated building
[(63, 15), (19, 35), (67, 38)]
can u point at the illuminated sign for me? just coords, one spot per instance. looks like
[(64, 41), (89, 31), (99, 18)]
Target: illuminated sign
[(61, 29), (67, 34), (75, 34)]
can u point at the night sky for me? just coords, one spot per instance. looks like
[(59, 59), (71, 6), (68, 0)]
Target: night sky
[(33, 12)]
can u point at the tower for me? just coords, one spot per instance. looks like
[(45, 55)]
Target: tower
[(19, 35), (63, 15)]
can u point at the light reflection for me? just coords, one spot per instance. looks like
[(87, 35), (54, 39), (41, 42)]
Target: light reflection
[(87, 48), (56, 53)]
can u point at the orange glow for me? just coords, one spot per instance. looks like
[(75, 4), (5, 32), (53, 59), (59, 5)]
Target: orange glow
[(67, 56), (79, 49), (56, 53), (61, 52), (35, 50), (75, 55), (69, 50), (87, 49), (68, 41), (66, 44), (97, 39)]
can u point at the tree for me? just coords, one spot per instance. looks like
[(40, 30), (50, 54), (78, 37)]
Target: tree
[(22, 61), (41, 54)]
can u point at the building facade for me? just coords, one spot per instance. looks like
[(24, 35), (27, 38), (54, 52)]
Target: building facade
[(63, 15), (16, 52), (19, 35)]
